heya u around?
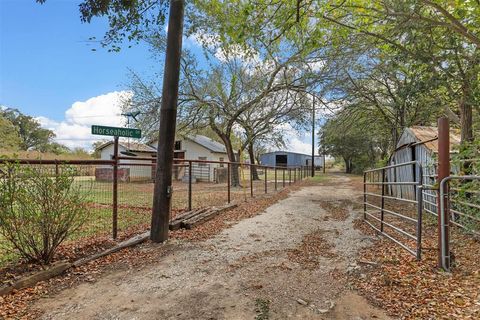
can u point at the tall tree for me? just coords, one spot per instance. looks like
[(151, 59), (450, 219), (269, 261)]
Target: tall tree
[(10, 138), (32, 135)]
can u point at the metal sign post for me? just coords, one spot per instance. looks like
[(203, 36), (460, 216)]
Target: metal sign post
[(116, 132)]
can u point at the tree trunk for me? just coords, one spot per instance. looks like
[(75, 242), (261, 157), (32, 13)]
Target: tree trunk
[(235, 178), (348, 166), (162, 195), (466, 120), (251, 154)]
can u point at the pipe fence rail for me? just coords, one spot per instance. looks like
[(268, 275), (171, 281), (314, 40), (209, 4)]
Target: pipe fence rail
[(119, 192), (460, 200), (382, 212)]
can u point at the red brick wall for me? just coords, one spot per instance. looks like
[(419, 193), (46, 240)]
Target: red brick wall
[(106, 174)]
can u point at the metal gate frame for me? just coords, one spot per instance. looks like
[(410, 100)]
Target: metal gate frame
[(419, 203), (445, 227)]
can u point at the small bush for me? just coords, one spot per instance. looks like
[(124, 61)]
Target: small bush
[(39, 211)]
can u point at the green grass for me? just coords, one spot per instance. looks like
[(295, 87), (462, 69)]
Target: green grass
[(319, 177)]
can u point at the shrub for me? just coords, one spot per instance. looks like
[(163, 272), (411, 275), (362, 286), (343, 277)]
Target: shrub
[(39, 211)]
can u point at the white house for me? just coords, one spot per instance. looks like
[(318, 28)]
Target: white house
[(198, 147), (142, 170)]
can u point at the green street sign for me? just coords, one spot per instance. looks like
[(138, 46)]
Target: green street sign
[(117, 132)]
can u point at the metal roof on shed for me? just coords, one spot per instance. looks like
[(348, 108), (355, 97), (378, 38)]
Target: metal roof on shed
[(429, 134)]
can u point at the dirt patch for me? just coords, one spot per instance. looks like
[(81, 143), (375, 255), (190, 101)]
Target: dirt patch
[(196, 280), (313, 246), (337, 210)]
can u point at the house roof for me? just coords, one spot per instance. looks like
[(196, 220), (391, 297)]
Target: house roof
[(131, 146), (430, 135), (208, 143)]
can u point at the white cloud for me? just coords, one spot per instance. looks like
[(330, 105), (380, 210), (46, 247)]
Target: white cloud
[(75, 130), (296, 144)]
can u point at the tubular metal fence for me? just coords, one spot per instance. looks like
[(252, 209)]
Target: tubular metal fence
[(383, 213), (460, 199), (123, 203), (456, 198)]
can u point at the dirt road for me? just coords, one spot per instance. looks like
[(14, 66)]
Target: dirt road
[(288, 262)]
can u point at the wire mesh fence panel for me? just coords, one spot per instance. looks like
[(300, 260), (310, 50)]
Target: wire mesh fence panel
[(196, 184)]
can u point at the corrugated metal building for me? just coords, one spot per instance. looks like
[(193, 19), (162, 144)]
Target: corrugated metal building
[(289, 159), (420, 144)]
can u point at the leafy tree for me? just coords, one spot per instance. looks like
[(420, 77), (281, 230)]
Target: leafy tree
[(32, 135), (358, 145), (10, 138)]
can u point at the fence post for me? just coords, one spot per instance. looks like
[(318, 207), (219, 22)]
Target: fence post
[(419, 211), (228, 182), (382, 213), (275, 178), (265, 178), (251, 181), (289, 176), (190, 185), (364, 196), (115, 189), (443, 172), (283, 173)]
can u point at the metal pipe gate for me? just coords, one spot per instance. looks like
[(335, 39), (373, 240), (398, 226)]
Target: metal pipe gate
[(378, 178)]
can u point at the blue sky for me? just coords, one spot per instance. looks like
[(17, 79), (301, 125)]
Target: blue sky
[(46, 62), (48, 69)]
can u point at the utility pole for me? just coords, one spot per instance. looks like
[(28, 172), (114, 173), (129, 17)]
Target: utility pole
[(162, 196), (313, 137)]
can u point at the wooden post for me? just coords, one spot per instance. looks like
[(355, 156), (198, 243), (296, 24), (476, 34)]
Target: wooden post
[(443, 172), (162, 196), (289, 176), (115, 189)]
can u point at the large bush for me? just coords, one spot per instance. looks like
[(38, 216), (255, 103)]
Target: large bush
[(38, 210)]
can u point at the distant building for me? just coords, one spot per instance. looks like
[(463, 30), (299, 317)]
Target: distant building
[(128, 172), (289, 159), (198, 147)]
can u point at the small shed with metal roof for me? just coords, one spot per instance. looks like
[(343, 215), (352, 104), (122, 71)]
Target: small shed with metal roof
[(417, 143)]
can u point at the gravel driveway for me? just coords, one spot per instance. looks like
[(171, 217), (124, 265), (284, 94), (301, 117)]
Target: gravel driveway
[(288, 262)]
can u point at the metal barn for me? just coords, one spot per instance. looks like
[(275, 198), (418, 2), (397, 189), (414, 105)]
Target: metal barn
[(420, 144), (289, 159)]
